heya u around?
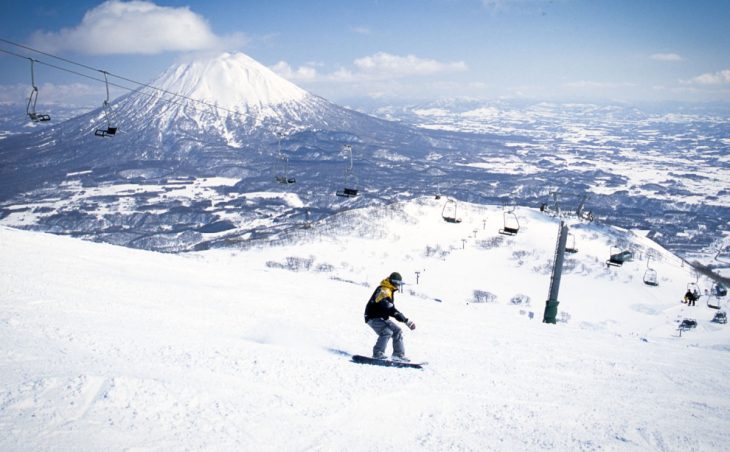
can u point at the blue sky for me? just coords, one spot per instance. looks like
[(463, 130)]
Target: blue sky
[(394, 51)]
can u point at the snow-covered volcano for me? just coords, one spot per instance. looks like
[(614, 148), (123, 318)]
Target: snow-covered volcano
[(215, 116), (221, 99), (231, 81)]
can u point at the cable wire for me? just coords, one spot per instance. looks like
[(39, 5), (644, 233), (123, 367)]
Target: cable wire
[(142, 85)]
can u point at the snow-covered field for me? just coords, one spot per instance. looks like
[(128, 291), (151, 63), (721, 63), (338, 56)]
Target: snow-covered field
[(109, 348)]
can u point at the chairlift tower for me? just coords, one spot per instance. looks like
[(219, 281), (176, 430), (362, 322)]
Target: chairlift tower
[(551, 305)]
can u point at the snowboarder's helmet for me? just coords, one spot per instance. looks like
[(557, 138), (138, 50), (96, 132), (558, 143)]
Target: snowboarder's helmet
[(396, 279)]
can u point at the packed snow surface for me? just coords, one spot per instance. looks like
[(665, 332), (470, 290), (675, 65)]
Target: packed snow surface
[(109, 348)]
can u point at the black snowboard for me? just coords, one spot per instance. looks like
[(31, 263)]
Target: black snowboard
[(384, 362)]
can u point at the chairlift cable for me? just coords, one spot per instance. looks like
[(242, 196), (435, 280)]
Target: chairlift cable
[(133, 90), (142, 85)]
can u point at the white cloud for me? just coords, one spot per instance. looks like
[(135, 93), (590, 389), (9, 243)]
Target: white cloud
[(666, 57), (505, 5), (382, 76), (361, 30), (385, 65), (713, 78), (588, 84), (135, 27), (303, 73), (380, 66)]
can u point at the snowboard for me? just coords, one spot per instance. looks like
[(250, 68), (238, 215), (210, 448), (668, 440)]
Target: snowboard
[(385, 362)]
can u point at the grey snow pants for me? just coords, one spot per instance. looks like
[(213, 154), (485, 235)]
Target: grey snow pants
[(385, 330)]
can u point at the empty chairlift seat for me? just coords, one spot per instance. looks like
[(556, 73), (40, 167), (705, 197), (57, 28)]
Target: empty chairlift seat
[(448, 213), (110, 130), (618, 259), (570, 246), (720, 317), (650, 277), (347, 192), (30, 109), (511, 225)]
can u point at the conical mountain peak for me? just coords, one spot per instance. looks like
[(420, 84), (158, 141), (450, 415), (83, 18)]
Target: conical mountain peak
[(230, 80)]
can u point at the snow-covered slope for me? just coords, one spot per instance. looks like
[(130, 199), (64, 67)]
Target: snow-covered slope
[(103, 347)]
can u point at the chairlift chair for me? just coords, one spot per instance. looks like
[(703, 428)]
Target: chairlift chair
[(617, 259), (349, 190), (711, 304), (582, 214), (285, 180), (694, 288), (719, 289), (30, 109), (110, 130), (514, 227), (687, 324), (282, 177), (570, 245), (448, 213), (587, 216), (720, 317), (282, 167), (650, 275)]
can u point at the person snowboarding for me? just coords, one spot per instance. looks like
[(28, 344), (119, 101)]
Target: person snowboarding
[(380, 307)]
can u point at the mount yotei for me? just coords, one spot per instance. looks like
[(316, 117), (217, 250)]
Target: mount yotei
[(217, 117), (188, 157), (222, 149)]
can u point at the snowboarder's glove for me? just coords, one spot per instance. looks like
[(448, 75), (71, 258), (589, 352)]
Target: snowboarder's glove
[(411, 325)]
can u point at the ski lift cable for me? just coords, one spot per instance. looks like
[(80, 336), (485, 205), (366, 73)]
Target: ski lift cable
[(142, 85), (133, 90), (97, 79), (146, 85)]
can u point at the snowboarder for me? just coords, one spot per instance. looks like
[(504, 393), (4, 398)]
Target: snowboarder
[(380, 307), (690, 298)]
